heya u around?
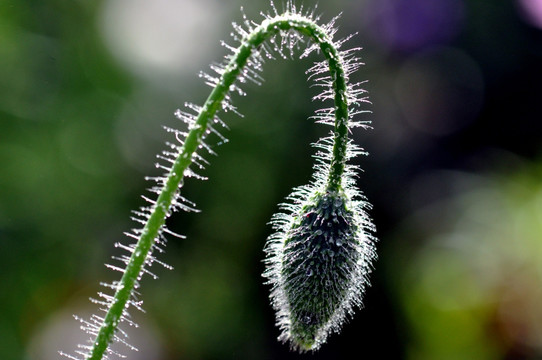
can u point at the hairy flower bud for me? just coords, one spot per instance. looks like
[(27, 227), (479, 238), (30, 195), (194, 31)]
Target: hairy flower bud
[(319, 267)]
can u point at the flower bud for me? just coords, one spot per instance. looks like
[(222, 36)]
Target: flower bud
[(320, 268)]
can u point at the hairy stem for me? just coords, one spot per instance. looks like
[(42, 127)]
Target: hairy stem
[(151, 230)]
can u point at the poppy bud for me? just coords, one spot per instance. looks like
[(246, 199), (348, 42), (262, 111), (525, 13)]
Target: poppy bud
[(319, 268)]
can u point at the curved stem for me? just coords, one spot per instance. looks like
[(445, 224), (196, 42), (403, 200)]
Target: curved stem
[(151, 230)]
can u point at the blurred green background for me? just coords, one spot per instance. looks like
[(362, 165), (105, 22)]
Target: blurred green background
[(454, 174)]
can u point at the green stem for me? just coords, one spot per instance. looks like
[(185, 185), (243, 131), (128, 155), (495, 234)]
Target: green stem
[(151, 230)]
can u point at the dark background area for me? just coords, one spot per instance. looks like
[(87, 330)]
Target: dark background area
[(454, 176)]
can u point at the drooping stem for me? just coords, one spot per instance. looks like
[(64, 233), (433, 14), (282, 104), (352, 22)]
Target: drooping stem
[(268, 28)]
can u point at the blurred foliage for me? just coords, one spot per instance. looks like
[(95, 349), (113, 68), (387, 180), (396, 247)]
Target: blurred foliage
[(472, 291), (80, 124)]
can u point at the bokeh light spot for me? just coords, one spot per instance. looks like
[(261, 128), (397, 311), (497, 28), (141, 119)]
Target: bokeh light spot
[(531, 10), (440, 90), (162, 38), (405, 25)]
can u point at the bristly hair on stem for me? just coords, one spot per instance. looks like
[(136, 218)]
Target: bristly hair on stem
[(319, 259)]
